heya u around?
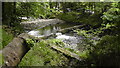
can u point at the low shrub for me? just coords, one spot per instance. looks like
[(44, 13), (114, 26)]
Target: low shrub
[(106, 52)]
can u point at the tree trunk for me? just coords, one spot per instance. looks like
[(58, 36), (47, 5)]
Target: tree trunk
[(14, 9), (64, 7), (15, 50)]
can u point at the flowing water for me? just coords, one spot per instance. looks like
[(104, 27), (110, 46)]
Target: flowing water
[(46, 31), (71, 40)]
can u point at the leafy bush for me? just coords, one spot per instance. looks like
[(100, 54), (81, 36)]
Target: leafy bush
[(112, 15), (83, 18), (68, 17), (106, 52), (30, 42), (103, 52)]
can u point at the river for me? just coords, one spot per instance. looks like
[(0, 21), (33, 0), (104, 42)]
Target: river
[(70, 38)]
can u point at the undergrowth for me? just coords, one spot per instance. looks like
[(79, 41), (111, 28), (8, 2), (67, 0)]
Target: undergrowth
[(6, 38), (41, 54)]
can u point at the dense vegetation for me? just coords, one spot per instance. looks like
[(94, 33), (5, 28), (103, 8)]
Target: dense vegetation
[(101, 20), (44, 55)]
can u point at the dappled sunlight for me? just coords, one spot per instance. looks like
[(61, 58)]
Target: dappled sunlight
[(60, 34)]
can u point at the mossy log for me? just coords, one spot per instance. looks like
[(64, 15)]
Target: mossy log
[(66, 52), (15, 50)]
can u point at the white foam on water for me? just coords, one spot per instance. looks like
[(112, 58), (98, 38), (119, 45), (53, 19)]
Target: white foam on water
[(35, 33), (60, 36), (70, 41)]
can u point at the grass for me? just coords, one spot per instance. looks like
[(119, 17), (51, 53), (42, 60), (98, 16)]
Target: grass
[(80, 53), (1, 59), (0, 37), (42, 55), (6, 38)]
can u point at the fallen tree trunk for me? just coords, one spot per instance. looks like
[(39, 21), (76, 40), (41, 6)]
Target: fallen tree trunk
[(30, 25), (70, 28), (15, 50), (66, 52)]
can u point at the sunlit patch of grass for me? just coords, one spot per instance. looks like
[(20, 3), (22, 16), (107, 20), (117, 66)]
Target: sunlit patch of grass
[(0, 37), (6, 38), (1, 59), (80, 53), (57, 42), (42, 55)]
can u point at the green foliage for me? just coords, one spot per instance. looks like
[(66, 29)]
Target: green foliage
[(84, 54), (106, 52), (57, 42), (1, 59), (112, 15), (99, 52), (83, 18), (8, 33), (42, 55), (107, 26), (1, 37), (17, 29), (35, 10), (109, 44), (6, 38), (81, 32), (30, 42), (88, 41), (68, 17), (88, 34), (103, 52), (69, 49)]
